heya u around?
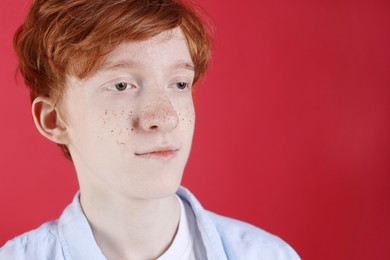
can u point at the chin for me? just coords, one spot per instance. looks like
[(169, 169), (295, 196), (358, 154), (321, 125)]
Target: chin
[(157, 187), (163, 189), (164, 182)]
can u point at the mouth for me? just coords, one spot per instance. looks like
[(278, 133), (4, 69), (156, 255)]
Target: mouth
[(160, 155)]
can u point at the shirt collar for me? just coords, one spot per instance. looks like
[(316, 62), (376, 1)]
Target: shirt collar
[(76, 235), (78, 242), (208, 231)]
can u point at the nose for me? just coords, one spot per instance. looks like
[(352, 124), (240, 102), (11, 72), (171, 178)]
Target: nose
[(158, 115)]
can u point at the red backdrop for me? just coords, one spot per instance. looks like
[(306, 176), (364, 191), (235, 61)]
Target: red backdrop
[(292, 135)]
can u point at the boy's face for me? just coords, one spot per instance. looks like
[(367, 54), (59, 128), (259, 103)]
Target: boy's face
[(130, 125)]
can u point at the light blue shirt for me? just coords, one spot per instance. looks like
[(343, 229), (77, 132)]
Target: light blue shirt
[(70, 237)]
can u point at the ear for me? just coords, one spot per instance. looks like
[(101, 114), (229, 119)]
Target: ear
[(48, 121)]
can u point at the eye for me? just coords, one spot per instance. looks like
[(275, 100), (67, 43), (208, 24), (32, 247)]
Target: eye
[(121, 86), (182, 85)]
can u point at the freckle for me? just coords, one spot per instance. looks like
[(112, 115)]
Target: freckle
[(105, 112), (132, 129), (112, 131)]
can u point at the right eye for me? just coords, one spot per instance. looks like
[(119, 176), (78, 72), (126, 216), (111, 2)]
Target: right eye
[(121, 86)]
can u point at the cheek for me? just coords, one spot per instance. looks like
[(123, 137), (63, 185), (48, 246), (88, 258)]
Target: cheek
[(115, 126), (187, 117)]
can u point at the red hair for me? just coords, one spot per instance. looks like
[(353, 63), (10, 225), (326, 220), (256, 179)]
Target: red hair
[(73, 37)]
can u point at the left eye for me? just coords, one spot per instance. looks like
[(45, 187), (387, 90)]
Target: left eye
[(181, 85)]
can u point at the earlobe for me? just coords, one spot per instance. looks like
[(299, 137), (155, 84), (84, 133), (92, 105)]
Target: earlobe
[(48, 120)]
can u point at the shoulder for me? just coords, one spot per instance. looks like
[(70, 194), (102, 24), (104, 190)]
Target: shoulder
[(245, 241), (41, 243)]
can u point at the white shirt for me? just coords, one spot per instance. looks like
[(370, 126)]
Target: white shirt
[(187, 244)]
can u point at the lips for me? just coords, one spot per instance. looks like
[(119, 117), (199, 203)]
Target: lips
[(162, 154)]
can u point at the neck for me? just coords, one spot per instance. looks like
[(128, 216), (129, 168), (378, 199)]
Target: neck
[(131, 228)]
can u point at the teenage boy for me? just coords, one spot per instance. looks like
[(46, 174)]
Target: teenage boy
[(111, 83)]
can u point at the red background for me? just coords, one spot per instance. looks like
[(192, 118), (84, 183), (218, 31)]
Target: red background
[(292, 129)]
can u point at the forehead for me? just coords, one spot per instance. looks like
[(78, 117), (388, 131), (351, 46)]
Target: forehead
[(155, 58), (165, 49)]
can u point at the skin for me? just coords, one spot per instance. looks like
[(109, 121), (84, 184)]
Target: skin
[(129, 129)]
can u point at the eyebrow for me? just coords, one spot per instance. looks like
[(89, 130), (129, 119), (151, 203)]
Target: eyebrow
[(129, 64), (183, 65)]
